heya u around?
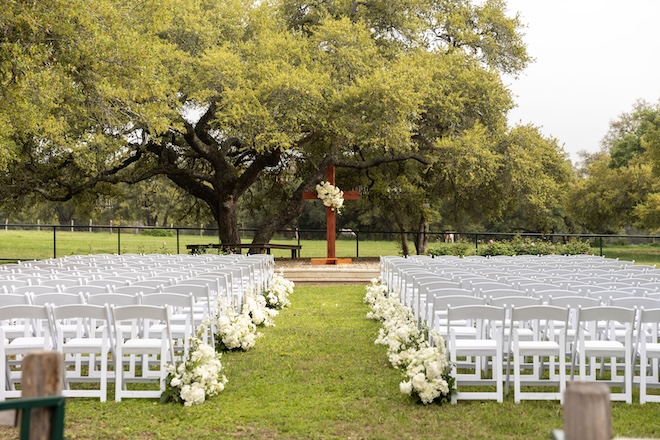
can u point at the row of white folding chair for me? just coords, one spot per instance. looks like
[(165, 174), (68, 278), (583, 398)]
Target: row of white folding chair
[(492, 343), (475, 282), (91, 337), (200, 311)]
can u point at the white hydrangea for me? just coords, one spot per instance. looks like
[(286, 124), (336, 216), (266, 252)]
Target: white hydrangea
[(255, 306), (330, 195), (197, 378), (426, 368), (277, 294), (235, 331)]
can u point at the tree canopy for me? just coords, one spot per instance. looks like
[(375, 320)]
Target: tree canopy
[(235, 97), (620, 186)]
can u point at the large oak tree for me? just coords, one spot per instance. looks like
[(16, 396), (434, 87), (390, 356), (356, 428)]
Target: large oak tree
[(219, 95)]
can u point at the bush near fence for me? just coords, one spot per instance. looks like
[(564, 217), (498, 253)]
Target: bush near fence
[(515, 246)]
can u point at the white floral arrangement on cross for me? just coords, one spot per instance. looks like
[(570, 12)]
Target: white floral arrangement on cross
[(197, 378), (330, 195), (426, 368)]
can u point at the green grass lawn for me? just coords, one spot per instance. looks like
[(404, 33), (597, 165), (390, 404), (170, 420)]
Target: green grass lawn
[(642, 254), (30, 245), (318, 375)]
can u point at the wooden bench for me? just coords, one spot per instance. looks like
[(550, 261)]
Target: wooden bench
[(238, 247)]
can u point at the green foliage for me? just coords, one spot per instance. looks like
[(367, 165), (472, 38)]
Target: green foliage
[(493, 247), (215, 95), (157, 232), (576, 247), (606, 199), (619, 187), (517, 246), (459, 248)]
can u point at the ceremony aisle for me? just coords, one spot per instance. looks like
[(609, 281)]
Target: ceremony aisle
[(316, 375)]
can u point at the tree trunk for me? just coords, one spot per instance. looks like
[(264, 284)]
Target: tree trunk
[(283, 217), (64, 214), (405, 247), (422, 238), (226, 216), (291, 209)]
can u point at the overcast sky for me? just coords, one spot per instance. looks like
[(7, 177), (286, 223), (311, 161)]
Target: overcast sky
[(593, 60)]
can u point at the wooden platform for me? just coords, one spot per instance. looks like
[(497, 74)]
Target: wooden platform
[(308, 272)]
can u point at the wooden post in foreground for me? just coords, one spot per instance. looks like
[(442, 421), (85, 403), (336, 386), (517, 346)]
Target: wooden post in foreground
[(42, 376), (587, 411)]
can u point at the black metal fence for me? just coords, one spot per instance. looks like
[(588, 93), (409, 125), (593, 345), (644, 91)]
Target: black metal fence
[(29, 241)]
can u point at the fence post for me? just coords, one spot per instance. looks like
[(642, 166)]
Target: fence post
[(601, 245), (90, 225), (54, 241), (357, 244), (587, 411), (177, 240), (476, 243), (42, 376), (118, 240)]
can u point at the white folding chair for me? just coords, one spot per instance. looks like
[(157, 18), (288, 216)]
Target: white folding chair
[(596, 340), (34, 322), (438, 319), (60, 283), (135, 343), (88, 289), (136, 289), (91, 339), (181, 317), (36, 290), (431, 294), (648, 333), (486, 343), (544, 342), (205, 306)]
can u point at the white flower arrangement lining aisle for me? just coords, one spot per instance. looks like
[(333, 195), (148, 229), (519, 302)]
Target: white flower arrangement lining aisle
[(199, 377), (426, 368)]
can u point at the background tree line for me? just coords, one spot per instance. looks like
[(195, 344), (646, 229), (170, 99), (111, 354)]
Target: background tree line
[(199, 111)]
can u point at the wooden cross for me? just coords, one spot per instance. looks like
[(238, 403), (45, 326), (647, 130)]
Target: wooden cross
[(331, 222)]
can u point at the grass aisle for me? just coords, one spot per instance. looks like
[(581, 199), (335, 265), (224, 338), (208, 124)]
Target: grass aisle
[(318, 375)]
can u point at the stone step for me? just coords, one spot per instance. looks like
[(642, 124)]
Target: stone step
[(329, 275)]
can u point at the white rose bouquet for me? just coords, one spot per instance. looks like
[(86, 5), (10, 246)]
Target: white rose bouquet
[(330, 195), (277, 294), (234, 331), (427, 371), (197, 378), (256, 308)]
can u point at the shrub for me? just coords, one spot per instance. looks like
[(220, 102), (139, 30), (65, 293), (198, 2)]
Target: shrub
[(492, 248), (516, 246), (459, 248), (157, 232), (575, 246)]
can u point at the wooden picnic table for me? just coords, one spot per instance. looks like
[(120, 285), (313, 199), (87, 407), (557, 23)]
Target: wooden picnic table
[(238, 247)]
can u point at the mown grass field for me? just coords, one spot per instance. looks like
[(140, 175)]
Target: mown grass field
[(318, 375), (29, 245)]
